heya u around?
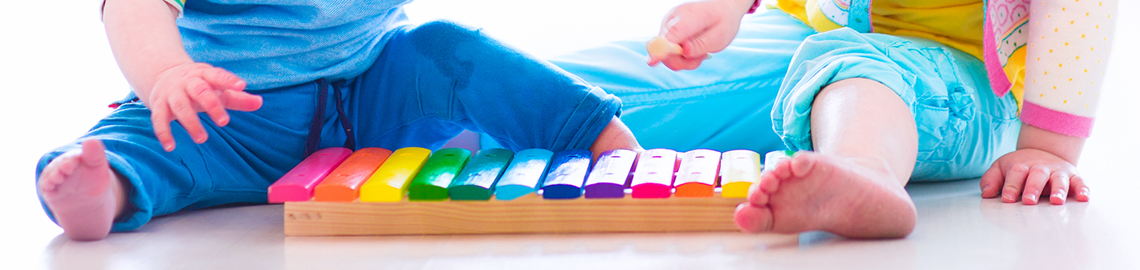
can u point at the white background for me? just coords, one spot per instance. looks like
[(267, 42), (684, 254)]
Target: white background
[(57, 74)]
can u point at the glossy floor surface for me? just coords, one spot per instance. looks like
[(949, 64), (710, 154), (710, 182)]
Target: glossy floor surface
[(58, 73), (955, 230)]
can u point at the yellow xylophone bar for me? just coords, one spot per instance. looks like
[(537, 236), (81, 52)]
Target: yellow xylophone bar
[(693, 209)]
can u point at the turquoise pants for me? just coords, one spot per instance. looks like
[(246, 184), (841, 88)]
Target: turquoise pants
[(757, 93)]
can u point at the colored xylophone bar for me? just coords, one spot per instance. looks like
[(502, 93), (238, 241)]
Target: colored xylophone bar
[(375, 191)]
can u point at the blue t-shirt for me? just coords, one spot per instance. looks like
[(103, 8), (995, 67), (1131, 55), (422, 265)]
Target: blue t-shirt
[(275, 43)]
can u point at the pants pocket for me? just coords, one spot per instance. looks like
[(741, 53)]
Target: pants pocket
[(943, 106), (939, 129)]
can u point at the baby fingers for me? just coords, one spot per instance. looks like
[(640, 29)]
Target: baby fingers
[(182, 107), (222, 79), (991, 181), (678, 63), (1059, 181), (160, 120), (1034, 184), (205, 97), (241, 101), (1077, 186), (1014, 181)]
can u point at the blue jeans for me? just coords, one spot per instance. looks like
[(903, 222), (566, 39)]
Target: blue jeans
[(430, 83)]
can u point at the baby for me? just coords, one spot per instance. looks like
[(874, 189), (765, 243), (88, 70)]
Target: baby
[(874, 94), (229, 95)]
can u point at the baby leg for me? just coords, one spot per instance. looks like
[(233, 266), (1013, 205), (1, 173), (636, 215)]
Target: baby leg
[(616, 135), (866, 141), (83, 192), (879, 111), (117, 176), (436, 79)]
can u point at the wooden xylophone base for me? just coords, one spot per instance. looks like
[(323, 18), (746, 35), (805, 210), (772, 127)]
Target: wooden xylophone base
[(529, 214)]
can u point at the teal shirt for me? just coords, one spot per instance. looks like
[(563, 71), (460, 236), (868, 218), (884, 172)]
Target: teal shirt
[(275, 43)]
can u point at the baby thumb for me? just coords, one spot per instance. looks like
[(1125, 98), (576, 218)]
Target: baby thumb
[(701, 45)]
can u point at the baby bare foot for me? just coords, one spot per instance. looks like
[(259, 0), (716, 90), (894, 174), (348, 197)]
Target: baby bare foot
[(846, 196), (82, 192)]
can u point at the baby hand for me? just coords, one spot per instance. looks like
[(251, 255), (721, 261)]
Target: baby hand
[(1029, 172), (699, 28), (183, 91)]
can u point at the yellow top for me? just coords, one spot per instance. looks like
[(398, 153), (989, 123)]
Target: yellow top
[(956, 23)]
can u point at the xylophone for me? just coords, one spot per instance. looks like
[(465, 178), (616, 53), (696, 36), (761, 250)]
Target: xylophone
[(375, 191)]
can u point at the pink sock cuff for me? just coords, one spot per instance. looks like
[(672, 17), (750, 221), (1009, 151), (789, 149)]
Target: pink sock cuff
[(1056, 121)]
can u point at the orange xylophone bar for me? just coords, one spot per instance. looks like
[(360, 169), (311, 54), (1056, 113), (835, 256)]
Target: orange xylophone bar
[(708, 186)]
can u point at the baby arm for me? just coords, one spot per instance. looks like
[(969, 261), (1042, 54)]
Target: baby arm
[(148, 48), (700, 28), (1065, 59)]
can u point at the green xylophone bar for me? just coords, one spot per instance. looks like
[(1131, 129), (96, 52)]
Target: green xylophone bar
[(476, 182), (441, 168)]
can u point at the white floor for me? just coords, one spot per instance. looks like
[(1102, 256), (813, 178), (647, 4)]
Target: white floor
[(59, 75)]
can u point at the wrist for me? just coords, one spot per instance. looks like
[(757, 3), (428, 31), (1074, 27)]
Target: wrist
[(145, 85), (1064, 146)]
